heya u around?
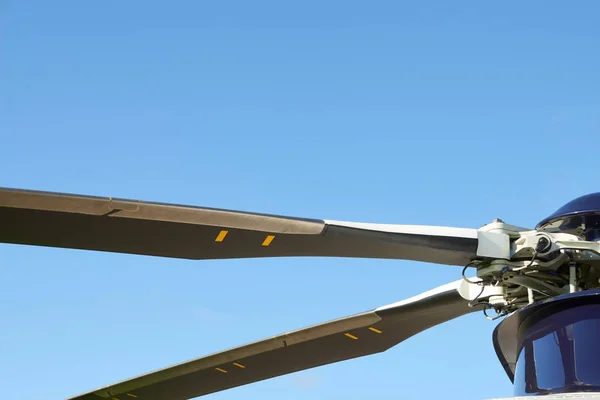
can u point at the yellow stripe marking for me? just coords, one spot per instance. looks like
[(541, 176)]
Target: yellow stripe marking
[(268, 240), (375, 330), (131, 395), (114, 398), (221, 236), (351, 336), (221, 370), (239, 365)]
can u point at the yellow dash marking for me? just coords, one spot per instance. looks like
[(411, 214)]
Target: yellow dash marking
[(239, 365), (268, 240), (375, 330), (131, 395), (221, 370), (114, 398), (351, 336), (221, 236)]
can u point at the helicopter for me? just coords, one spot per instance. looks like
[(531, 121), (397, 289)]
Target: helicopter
[(544, 283)]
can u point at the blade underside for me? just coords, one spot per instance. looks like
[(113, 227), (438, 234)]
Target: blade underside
[(355, 336), (156, 229)]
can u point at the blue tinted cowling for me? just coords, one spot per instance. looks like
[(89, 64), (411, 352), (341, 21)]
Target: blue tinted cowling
[(580, 217)]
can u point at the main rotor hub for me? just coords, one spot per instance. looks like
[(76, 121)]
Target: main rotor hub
[(561, 255)]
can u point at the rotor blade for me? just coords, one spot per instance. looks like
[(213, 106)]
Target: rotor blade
[(156, 229), (355, 336)]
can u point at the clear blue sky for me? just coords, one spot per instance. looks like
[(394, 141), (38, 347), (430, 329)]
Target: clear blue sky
[(391, 112)]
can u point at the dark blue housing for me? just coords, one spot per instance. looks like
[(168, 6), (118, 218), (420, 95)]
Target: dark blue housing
[(580, 217), (552, 346)]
